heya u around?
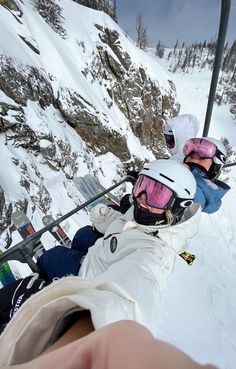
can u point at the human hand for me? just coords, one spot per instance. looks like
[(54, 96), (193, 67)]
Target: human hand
[(124, 344)]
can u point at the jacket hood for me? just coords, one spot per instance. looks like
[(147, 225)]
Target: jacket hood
[(175, 236), (184, 127)]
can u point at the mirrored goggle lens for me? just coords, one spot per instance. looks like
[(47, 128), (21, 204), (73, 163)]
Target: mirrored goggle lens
[(157, 194), (200, 147)]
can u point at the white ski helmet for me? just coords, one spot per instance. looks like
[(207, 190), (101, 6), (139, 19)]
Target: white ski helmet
[(219, 159), (176, 177)]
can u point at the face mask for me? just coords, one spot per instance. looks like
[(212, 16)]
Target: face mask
[(147, 218)]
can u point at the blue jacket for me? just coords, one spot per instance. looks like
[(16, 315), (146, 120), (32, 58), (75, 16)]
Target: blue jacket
[(209, 191)]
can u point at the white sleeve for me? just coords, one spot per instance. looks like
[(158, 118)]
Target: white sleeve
[(133, 279)]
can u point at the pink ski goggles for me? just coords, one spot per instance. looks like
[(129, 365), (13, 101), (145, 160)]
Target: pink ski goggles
[(202, 148), (157, 194)]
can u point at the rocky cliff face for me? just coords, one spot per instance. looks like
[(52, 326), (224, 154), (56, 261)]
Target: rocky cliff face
[(46, 122)]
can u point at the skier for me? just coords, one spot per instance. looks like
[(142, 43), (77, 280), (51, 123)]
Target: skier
[(205, 157), (124, 344), (58, 262), (177, 131), (209, 190), (123, 274)]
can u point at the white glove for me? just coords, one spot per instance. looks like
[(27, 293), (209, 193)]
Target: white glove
[(98, 213), (102, 216)]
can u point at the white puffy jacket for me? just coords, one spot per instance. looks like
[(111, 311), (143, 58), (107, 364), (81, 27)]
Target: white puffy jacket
[(184, 127), (121, 277)]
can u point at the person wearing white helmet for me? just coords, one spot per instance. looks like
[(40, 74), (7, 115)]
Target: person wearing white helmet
[(163, 173), (177, 131), (123, 274), (205, 157)]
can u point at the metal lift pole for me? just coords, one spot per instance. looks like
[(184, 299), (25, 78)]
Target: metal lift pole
[(225, 10)]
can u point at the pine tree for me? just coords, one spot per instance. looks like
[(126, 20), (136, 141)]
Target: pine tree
[(232, 57), (176, 46), (108, 6), (183, 66), (160, 50), (169, 55), (228, 147), (114, 11), (141, 31)]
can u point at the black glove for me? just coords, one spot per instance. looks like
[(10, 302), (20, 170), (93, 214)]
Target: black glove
[(134, 174)]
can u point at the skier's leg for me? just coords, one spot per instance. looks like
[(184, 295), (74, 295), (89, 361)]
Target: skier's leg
[(84, 238), (59, 262), (6, 295), (15, 294)]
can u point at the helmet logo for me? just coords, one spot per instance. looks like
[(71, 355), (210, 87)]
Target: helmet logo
[(113, 244), (186, 203), (223, 158)]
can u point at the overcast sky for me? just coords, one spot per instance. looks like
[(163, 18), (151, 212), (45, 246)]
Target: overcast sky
[(168, 20)]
